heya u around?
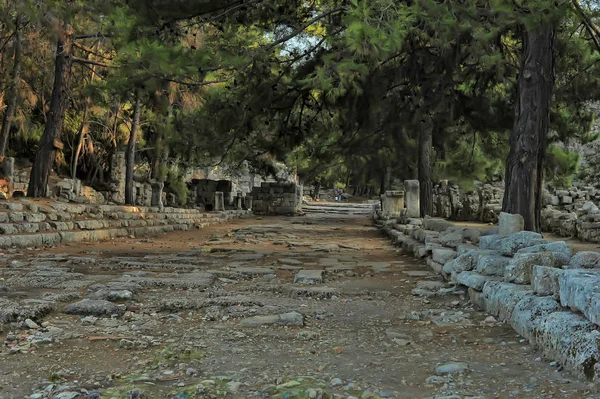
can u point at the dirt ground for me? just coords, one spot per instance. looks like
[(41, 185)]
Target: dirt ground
[(216, 313)]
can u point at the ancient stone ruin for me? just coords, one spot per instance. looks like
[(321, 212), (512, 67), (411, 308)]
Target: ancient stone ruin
[(538, 287)]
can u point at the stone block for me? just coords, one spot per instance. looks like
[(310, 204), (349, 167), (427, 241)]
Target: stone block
[(476, 298), (436, 224), (472, 279), (412, 198), (585, 260), (544, 280), (558, 246), (572, 341), (528, 312), (461, 263), (491, 242), (451, 239), (436, 267), (520, 268), (309, 277), (443, 255), (510, 224), (579, 290), (219, 201), (492, 265), (393, 203), (501, 298), (524, 239)]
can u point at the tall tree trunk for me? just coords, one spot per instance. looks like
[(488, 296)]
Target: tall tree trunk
[(83, 129), (130, 156), (45, 156), (425, 170), (13, 89), (525, 163)]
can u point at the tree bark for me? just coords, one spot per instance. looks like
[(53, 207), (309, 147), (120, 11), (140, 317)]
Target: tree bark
[(524, 166), (45, 156), (13, 89), (130, 156), (425, 170)]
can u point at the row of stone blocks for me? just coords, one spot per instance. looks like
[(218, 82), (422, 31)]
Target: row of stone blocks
[(90, 223), (547, 295)]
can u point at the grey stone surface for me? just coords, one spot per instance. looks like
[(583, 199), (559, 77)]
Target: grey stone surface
[(528, 311), (451, 239), (89, 307), (412, 198), (492, 265), (572, 341), (464, 262), (472, 279), (501, 298), (443, 255), (436, 224), (285, 319), (309, 277), (524, 239), (579, 290), (585, 260), (559, 247), (491, 242), (544, 280), (452, 368), (509, 224), (520, 268)]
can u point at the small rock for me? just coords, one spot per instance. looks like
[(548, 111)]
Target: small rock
[(336, 382), (32, 325)]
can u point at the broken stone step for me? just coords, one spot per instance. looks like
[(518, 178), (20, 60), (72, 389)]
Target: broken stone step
[(309, 277)]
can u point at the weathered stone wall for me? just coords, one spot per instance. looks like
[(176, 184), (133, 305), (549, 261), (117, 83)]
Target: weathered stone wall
[(277, 198), (547, 295), (25, 223), (483, 204)]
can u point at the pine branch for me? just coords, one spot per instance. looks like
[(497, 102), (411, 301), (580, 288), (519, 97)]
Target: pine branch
[(91, 51), (90, 62)]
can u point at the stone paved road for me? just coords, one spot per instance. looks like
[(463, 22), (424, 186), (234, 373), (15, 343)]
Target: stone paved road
[(300, 307)]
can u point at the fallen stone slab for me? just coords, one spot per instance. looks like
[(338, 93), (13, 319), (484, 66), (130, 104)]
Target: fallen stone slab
[(436, 267), (26, 309), (572, 341), (451, 239), (520, 268), (476, 298), (311, 292), (501, 298), (285, 319), (491, 242), (492, 265), (472, 279), (452, 368), (309, 277), (111, 295), (436, 224), (579, 290), (443, 255), (90, 307), (585, 260), (528, 312), (544, 280), (464, 262), (524, 239), (289, 261), (559, 247)]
